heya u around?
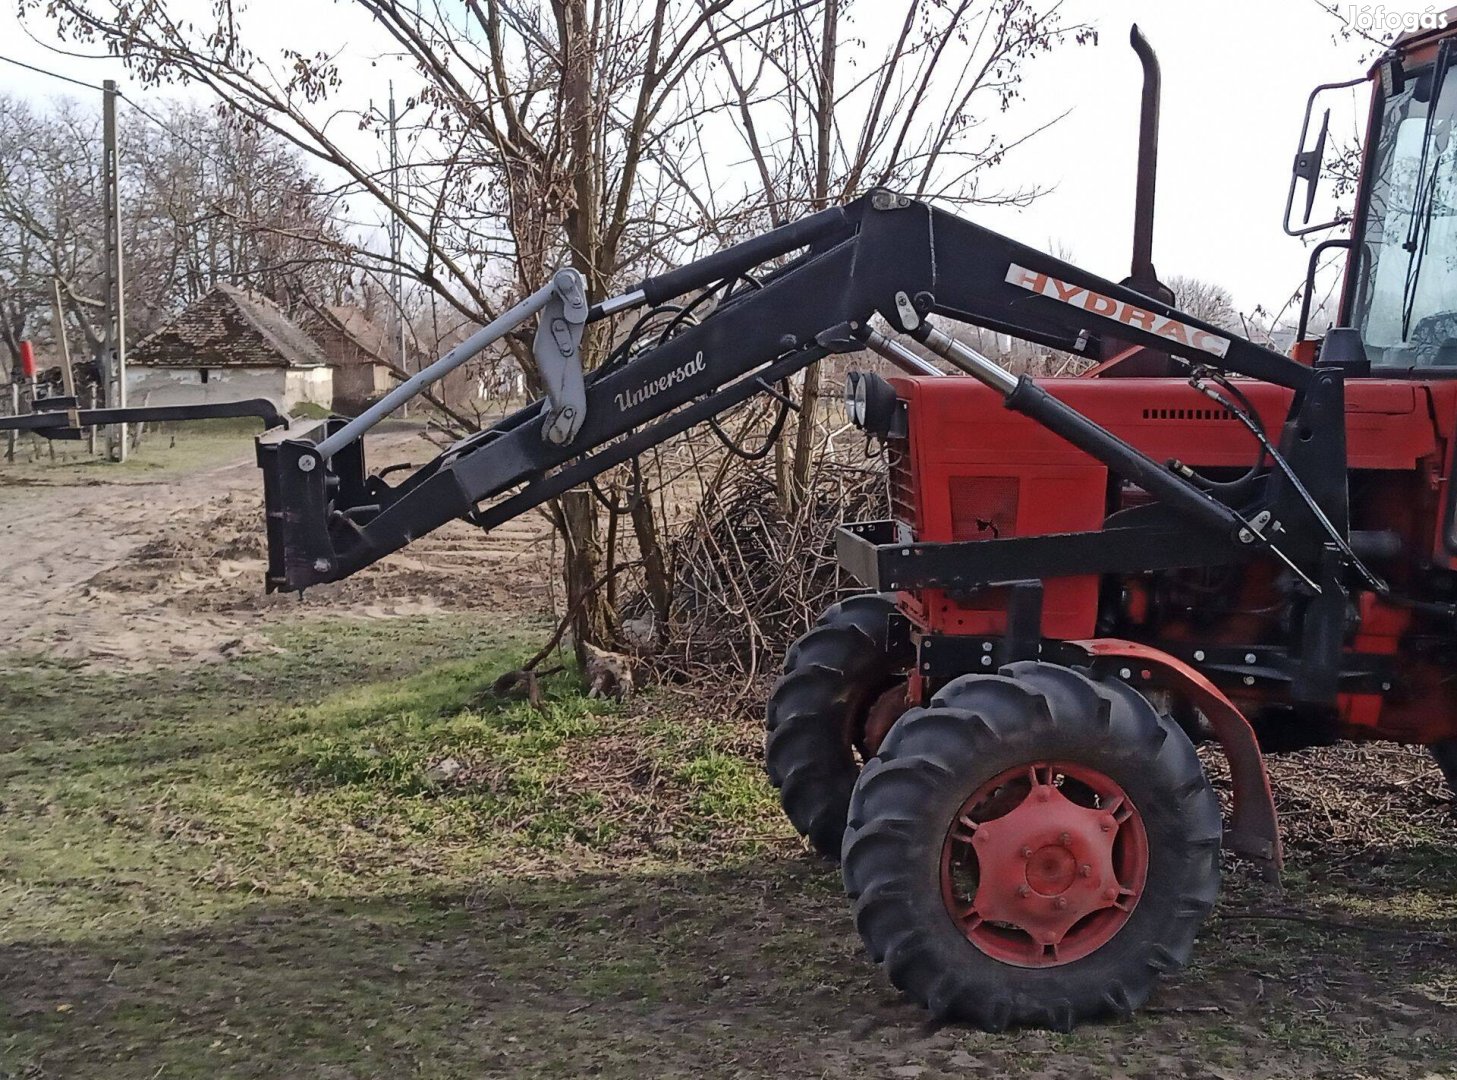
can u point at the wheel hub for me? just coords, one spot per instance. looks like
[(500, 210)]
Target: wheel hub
[(1053, 877), (1051, 870)]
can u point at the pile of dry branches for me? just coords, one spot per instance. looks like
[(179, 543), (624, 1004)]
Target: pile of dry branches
[(751, 574)]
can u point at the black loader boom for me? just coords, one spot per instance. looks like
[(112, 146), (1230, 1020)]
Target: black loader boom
[(881, 254)]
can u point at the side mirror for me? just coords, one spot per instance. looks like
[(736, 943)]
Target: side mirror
[(1308, 163)]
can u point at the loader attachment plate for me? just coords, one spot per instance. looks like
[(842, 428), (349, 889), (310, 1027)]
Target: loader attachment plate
[(302, 497)]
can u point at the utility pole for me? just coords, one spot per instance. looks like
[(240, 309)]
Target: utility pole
[(397, 236), (113, 363), (68, 375), (12, 436)]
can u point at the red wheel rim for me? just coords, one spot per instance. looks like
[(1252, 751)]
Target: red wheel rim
[(1044, 864)]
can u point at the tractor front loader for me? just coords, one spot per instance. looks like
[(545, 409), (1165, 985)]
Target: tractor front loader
[(1202, 539)]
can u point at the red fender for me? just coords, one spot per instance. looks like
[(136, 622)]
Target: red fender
[(1255, 829)]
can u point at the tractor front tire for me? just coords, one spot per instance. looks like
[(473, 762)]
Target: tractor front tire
[(817, 711), (1033, 849)]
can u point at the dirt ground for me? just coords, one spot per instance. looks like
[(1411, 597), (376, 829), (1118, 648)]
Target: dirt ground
[(146, 569), (229, 845)]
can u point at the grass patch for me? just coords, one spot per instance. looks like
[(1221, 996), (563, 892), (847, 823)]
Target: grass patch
[(173, 450), (351, 859), (725, 786)]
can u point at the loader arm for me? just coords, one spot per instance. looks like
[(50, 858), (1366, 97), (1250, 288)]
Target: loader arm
[(881, 254)]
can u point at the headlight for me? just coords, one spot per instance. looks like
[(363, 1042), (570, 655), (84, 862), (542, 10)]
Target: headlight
[(872, 406), (852, 380), (879, 410)]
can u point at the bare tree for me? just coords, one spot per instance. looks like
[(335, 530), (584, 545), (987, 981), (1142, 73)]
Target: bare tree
[(50, 222), (541, 138), (825, 110), (1204, 300), (210, 200), (203, 202)]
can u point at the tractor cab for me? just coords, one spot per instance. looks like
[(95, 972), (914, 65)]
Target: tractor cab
[(1400, 289), (1404, 284)]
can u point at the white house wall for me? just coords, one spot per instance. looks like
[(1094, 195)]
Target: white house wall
[(184, 386), (312, 385)]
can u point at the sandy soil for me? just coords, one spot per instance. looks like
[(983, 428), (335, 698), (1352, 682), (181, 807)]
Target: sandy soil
[(132, 571)]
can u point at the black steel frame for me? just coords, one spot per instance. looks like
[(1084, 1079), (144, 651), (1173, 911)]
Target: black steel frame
[(52, 417), (1274, 669), (881, 254)]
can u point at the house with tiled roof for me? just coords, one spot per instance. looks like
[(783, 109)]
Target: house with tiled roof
[(360, 351), (229, 345)]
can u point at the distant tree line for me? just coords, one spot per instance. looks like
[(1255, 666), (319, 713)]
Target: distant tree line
[(205, 199)]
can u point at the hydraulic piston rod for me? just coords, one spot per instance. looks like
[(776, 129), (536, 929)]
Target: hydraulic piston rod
[(899, 355), (967, 359)]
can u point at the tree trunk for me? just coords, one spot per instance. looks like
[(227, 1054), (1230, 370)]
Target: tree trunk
[(582, 557), (804, 432), (655, 566), (804, 436), (582, 560)]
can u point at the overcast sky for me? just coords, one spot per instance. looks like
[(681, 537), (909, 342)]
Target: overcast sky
[(1235, 79)]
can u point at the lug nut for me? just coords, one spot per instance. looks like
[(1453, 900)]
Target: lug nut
[(1026, 852), (1022, 891), (1060, 903), (1085, 870), (1066, 839)]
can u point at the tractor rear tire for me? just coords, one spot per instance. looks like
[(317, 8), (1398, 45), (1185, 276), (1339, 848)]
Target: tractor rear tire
[(1013, 805), (816, 714)]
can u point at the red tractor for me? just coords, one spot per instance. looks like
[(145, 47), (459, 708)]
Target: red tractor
[(999, 741), (1083, 577)]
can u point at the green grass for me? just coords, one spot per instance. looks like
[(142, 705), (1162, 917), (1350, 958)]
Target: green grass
[(168, 450), (257, 869)]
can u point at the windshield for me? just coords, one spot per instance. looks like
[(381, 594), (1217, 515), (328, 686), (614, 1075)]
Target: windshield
[(1406, 300)]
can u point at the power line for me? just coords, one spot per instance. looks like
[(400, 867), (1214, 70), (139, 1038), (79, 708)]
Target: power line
[(168, 128), (100, 90), (52, 74)]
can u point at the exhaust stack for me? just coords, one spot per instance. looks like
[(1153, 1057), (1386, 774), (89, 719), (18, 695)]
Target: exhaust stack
[(1143, 277)]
